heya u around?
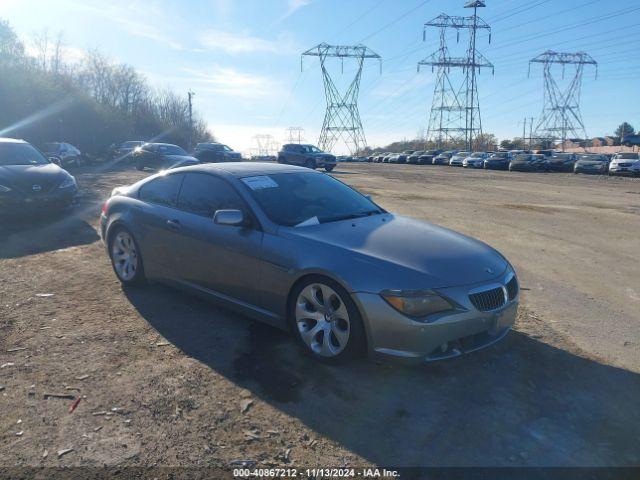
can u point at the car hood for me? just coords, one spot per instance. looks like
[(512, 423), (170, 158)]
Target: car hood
[(590, 163), (522, 162), (24, 177), (443, 257), (180, 158)]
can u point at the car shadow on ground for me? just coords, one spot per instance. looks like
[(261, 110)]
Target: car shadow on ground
[(520, 402), (43, 233)]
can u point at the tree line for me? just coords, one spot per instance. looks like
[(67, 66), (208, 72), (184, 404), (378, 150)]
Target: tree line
[(92, 103)]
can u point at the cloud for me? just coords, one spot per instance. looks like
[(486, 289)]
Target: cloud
[(134, 19), (237, 43), (228, 81), (293, 7)]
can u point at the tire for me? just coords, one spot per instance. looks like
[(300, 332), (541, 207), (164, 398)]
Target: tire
[(310, 164), (282, 160), (124, 249), (339, 332), (329, 169)]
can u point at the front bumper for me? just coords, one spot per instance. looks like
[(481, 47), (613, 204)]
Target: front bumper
[(391, 335), (594, 170), (20, 204), (321, 162), (618, 170)]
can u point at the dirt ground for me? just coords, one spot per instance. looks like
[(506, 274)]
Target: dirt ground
[(167, 380)]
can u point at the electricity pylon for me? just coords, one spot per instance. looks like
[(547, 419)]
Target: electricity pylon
[(561, 118), (266, 144), (294, 135), (342, 119), (455, 111)]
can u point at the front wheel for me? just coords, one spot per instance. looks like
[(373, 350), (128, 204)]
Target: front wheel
[(325, 321), (329, 168), (125, 258)]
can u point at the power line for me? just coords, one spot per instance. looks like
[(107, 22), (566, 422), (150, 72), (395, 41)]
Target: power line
[(396, 20)]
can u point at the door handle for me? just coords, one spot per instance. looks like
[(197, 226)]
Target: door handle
[(174, 224)]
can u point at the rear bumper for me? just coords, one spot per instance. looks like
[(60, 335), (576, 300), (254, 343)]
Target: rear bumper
[(391, 335)]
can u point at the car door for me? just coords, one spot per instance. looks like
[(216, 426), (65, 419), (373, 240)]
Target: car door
[(157, 226), (297, 154), (224, 259)]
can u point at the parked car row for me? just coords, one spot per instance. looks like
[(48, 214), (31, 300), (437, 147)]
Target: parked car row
[(623, 163)]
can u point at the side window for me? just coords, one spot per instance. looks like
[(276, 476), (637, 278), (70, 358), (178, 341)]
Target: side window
[(203, 194), (162, 190)]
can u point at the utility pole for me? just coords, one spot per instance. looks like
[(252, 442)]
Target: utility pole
[(561, 117), (530, 133), (524, 138), (190, 94), (342, 118), (455, 111)]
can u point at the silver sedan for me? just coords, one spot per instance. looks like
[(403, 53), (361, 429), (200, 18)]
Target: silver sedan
[(304, 252)]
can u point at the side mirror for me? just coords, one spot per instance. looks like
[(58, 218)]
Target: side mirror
[(228, 217), (55, 160)]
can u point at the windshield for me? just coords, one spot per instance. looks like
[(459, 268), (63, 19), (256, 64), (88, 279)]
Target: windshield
[(311, 149), (226, 149), (20, 154), (290, 199), (500, 155), (52, 147), (592, 158), (627, 156), (524, 158), (477, 155), (561, 156), (170, 150)]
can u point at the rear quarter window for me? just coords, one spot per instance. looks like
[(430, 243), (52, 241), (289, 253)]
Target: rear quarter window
[(162, 190)]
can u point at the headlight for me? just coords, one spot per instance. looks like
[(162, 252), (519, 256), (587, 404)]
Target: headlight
[(68, 182), (416, 303), (4, 189)]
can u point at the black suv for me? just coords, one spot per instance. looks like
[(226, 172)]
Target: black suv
[(306, 156), (216, 152)]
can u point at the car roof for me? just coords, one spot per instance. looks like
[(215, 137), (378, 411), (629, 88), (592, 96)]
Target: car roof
[(11, 140), (245, 169), (165, 144)]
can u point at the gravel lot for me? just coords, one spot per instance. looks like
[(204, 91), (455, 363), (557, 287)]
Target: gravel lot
[(166, 379)]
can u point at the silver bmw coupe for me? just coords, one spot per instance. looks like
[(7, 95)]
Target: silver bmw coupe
[(304, 252)]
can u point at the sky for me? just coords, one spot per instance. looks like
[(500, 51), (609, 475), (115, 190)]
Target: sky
[(242, 58)]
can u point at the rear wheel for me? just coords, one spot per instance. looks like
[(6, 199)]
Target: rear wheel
[(325, 321), (125, 257)]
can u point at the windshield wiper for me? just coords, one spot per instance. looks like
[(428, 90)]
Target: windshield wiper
[(351, 216)]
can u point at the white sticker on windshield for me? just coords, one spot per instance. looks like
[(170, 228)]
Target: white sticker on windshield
[(308, 222), (259, 182)]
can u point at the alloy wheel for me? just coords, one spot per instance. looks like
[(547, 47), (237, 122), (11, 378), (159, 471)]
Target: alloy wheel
[(322, 320), (124, 256)]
